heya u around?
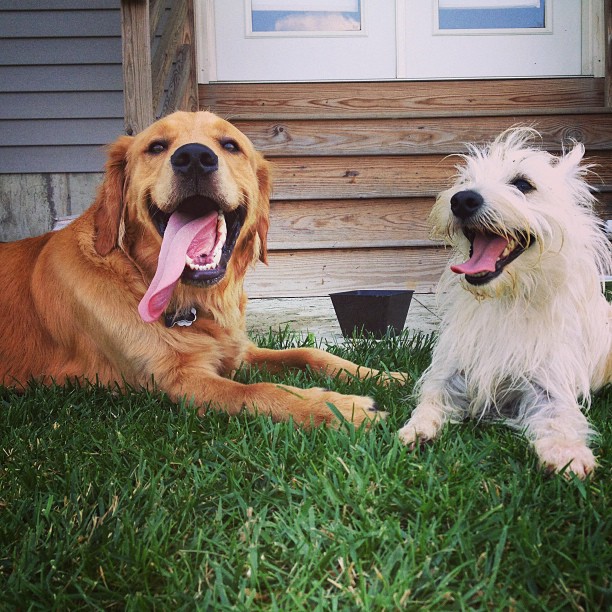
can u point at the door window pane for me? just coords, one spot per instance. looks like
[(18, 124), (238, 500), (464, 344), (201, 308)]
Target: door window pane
[(491, 14), (306, 16)]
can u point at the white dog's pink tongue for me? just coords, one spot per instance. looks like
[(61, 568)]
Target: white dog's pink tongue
[(486, 250), (182, 232)]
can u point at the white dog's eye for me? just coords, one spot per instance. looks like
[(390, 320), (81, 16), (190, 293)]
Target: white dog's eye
[(523, 185)]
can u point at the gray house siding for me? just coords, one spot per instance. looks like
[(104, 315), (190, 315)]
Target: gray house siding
[(61, 101)]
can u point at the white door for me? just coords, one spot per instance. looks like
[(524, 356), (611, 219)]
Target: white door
[(302, 40), (492, 38), (316, 40)]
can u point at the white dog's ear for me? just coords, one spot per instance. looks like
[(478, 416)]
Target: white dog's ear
[(570, 161)]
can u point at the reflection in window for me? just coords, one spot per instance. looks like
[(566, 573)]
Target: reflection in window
[(306, 15), (491, 14)]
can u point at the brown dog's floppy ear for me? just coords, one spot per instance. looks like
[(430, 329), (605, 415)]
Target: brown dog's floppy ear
[(264, 179), (109, 201)]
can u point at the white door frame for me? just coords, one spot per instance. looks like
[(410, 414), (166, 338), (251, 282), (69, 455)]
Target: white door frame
[(593, 39), (206, 54)]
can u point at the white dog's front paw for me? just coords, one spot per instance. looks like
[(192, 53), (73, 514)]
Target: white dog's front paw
[(555, 454), (419, 429)]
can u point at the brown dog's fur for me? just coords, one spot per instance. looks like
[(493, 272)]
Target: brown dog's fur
[(69, 298)]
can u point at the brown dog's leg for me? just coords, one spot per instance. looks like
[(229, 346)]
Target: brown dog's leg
[(317, 360), (306, 406)]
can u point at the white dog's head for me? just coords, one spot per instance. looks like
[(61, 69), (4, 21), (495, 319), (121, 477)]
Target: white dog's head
[(518, 218)]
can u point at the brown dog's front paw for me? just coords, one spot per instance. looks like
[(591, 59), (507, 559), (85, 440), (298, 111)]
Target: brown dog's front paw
[(395, 377), (335, 408)]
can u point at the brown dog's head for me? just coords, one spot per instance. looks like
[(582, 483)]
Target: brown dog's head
[(192, 190)]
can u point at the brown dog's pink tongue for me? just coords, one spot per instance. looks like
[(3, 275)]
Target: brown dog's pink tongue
[(181, 231), (486, 250)]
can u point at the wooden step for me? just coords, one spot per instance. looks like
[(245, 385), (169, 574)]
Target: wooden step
[(322, 137), (401, 99)]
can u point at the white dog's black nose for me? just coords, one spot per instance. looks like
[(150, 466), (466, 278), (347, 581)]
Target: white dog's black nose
[(194, 158), (465, 203)]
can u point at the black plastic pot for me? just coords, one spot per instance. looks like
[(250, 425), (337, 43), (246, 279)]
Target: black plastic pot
[(371, 310)]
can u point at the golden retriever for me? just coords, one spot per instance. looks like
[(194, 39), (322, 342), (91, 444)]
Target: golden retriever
[(147, 284)]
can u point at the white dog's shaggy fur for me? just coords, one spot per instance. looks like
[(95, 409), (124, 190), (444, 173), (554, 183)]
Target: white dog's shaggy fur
[(526, 331)]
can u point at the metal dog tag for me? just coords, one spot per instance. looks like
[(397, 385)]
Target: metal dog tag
[(182, 318)]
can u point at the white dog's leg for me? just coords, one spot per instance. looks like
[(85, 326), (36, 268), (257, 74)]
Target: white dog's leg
[(425, 423), (559, 432), (439, 402)]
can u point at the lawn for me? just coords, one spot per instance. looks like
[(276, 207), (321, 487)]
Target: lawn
[(129, 501)]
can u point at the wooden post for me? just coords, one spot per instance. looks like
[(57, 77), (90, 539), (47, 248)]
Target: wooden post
[(608, 52), (136, 43), (175, 79), (190, 93)]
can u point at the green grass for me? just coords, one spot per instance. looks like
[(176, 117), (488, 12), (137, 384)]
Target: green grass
[(132, 502)]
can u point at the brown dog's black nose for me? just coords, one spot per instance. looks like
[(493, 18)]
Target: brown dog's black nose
[(194, 158), (465, 203)]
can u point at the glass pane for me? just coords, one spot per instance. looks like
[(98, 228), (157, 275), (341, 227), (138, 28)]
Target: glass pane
[(491, 14), (306, 15)]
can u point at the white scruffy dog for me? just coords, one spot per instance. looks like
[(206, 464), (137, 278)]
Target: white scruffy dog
[(526, 332)]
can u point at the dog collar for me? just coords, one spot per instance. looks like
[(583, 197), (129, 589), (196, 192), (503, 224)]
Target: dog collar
[(183, 318)]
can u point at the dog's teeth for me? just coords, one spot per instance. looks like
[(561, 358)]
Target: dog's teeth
[(221, 227), (209, 266), (509, 248)]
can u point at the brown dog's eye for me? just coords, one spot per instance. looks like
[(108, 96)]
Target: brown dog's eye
[(157, 147), (230, 145)]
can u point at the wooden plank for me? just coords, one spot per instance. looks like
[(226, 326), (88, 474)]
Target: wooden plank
[(601, 177), (603, 207), (57, 24), (384, 176), (138, 94), (400, 98), (174, 63), (318, 273), (417, 136), (189, 95), (316, 224), (166, 50), (157, 9), (178, 85), (182, 84), (354, 224)]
